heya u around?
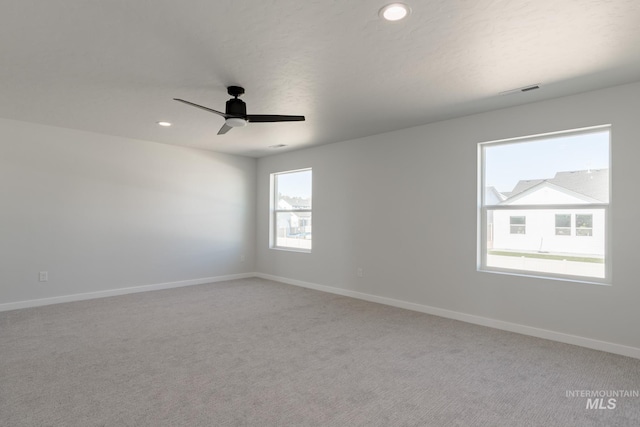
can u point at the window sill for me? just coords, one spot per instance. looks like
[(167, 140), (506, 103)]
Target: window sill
[(533, 275), (285, 249)]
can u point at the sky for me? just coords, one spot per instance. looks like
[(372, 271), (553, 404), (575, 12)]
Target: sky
[(296, 184), (506, 164)]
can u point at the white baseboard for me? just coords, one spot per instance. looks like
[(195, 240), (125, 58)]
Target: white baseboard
[(469, 318), (121, 291)]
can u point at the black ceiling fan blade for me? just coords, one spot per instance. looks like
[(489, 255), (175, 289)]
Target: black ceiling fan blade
[(201, 107), (224, 129), (265, 118)]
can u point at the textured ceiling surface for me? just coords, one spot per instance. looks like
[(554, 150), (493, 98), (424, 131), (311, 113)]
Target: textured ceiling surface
[(113, 66)]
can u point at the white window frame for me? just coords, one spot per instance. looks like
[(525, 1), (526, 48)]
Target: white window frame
[(274, 211), (483, 209)]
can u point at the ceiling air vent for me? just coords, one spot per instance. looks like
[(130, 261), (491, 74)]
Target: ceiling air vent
[(521, 89)]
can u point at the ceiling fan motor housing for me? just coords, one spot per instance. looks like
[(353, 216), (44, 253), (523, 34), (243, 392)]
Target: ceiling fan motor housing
[(235, 114), (236, 107)]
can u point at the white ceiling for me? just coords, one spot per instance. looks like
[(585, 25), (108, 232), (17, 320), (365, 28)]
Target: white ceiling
[(113, 66)]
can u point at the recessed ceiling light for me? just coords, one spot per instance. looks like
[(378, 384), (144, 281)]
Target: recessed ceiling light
[(165, 124), (394, 11)]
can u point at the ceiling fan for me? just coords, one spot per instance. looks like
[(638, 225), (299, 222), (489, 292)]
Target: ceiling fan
[(236, 112)]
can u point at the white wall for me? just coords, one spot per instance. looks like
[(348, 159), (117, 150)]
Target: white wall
[(402, 206), (100, 212)]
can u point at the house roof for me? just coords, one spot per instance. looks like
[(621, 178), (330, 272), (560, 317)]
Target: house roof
[(593, 183), (296, 202), (493, 193)]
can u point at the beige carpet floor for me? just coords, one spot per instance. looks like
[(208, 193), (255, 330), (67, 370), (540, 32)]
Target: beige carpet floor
[(260, 353)]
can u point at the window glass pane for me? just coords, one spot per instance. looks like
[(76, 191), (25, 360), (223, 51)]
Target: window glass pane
[(293, 190), (518, 220), (293, 230), (563, 169), (545, 203), (291, 214), (542, 248), (563, 220), (584, 221), (518, 229)]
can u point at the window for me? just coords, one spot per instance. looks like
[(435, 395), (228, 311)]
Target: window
[(544, 205), (291, 210), (517, 224), (563, 225), (584, 225)]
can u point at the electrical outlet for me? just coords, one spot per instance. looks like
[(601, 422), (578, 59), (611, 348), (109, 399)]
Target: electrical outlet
[(43, 276), (359, 272)]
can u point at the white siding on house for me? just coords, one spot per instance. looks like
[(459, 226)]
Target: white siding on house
[(549, 194), (540, 234)]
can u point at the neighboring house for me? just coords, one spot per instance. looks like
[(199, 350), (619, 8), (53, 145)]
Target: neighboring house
[(569, 231), (294, 224)]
